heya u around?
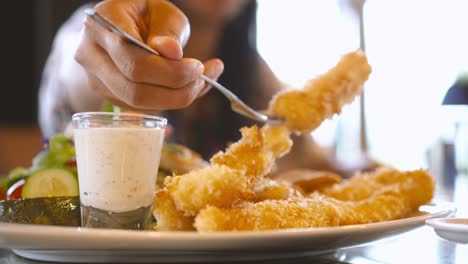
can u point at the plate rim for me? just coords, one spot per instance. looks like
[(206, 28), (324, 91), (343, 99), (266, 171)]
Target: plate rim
[(444, 210)]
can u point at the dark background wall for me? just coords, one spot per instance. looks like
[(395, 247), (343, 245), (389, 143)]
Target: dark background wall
[(27, 31), (28, 28)]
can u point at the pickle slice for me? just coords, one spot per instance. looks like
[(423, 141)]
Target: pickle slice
[(63, 211)]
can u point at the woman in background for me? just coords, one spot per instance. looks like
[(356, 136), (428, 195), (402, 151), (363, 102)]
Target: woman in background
[(222, 44)]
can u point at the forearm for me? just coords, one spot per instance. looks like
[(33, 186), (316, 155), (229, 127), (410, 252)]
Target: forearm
[(64, 88)]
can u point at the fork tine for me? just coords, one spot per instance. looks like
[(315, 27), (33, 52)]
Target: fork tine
[(238, 106)]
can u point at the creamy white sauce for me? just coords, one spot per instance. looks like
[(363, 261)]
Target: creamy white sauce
[(117, 167)]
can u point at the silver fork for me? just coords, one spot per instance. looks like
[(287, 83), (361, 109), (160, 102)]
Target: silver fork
[(236, 104)]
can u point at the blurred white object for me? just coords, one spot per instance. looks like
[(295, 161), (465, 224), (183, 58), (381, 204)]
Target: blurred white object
[(441, 165), (461, 148), (453, 229)]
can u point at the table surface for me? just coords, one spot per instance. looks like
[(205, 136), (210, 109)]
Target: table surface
[(421, 245)]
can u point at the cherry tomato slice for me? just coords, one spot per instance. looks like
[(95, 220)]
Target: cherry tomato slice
[(169, 130), (71, 163), (14, 192)]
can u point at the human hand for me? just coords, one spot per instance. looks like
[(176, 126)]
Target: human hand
[(129, 76)]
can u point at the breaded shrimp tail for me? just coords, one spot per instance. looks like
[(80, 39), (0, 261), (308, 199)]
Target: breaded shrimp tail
[(304, 110), (256, 151)]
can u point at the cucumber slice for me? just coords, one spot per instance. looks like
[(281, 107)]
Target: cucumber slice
[(50, 183)]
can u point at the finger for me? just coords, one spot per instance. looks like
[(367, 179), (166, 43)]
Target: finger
[(136, 95), (94, 82), (140, 66), (126, 14), (97, 85), (169, 29), (213, 69)]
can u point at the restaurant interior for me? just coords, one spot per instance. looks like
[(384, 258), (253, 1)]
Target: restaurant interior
[(412, 113)]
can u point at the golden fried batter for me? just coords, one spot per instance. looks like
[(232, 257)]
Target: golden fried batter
[(391, 202), (167, 216), (307, 181), (217, 185), (268, 189), (276, 140), (256, 151), (233, 175), (363, 186), (268, 214), (304, 110), (384, 206)]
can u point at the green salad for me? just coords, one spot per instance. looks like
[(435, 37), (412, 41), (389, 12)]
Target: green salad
[(52, 173)]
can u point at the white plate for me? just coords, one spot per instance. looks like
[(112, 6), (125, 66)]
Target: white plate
[(68, 244), (453, 229)]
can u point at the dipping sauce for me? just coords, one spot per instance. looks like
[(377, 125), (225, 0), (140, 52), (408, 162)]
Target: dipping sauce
[(117, 166)]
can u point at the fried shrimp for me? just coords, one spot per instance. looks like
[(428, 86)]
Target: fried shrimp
[(268, 214), (277, 140), (217, 185), (167, 216), (268, 189), (391, 202), (308, 181), (363, 186), (400, 194), (321, 98), (231, 178), (232, 193), (256, 151), (246, 154)]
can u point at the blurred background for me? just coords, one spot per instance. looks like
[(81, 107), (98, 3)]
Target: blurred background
[(417, 49), (28, 29)]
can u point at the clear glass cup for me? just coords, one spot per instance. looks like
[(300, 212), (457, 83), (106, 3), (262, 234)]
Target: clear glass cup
[(118, 158)]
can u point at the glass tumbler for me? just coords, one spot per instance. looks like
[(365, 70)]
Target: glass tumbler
[(117, 157)]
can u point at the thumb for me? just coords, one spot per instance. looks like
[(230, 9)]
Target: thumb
[(169, 29)]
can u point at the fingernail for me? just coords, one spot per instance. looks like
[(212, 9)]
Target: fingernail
[(220, 67), (199, 68), (214, 71), (199, 85)]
